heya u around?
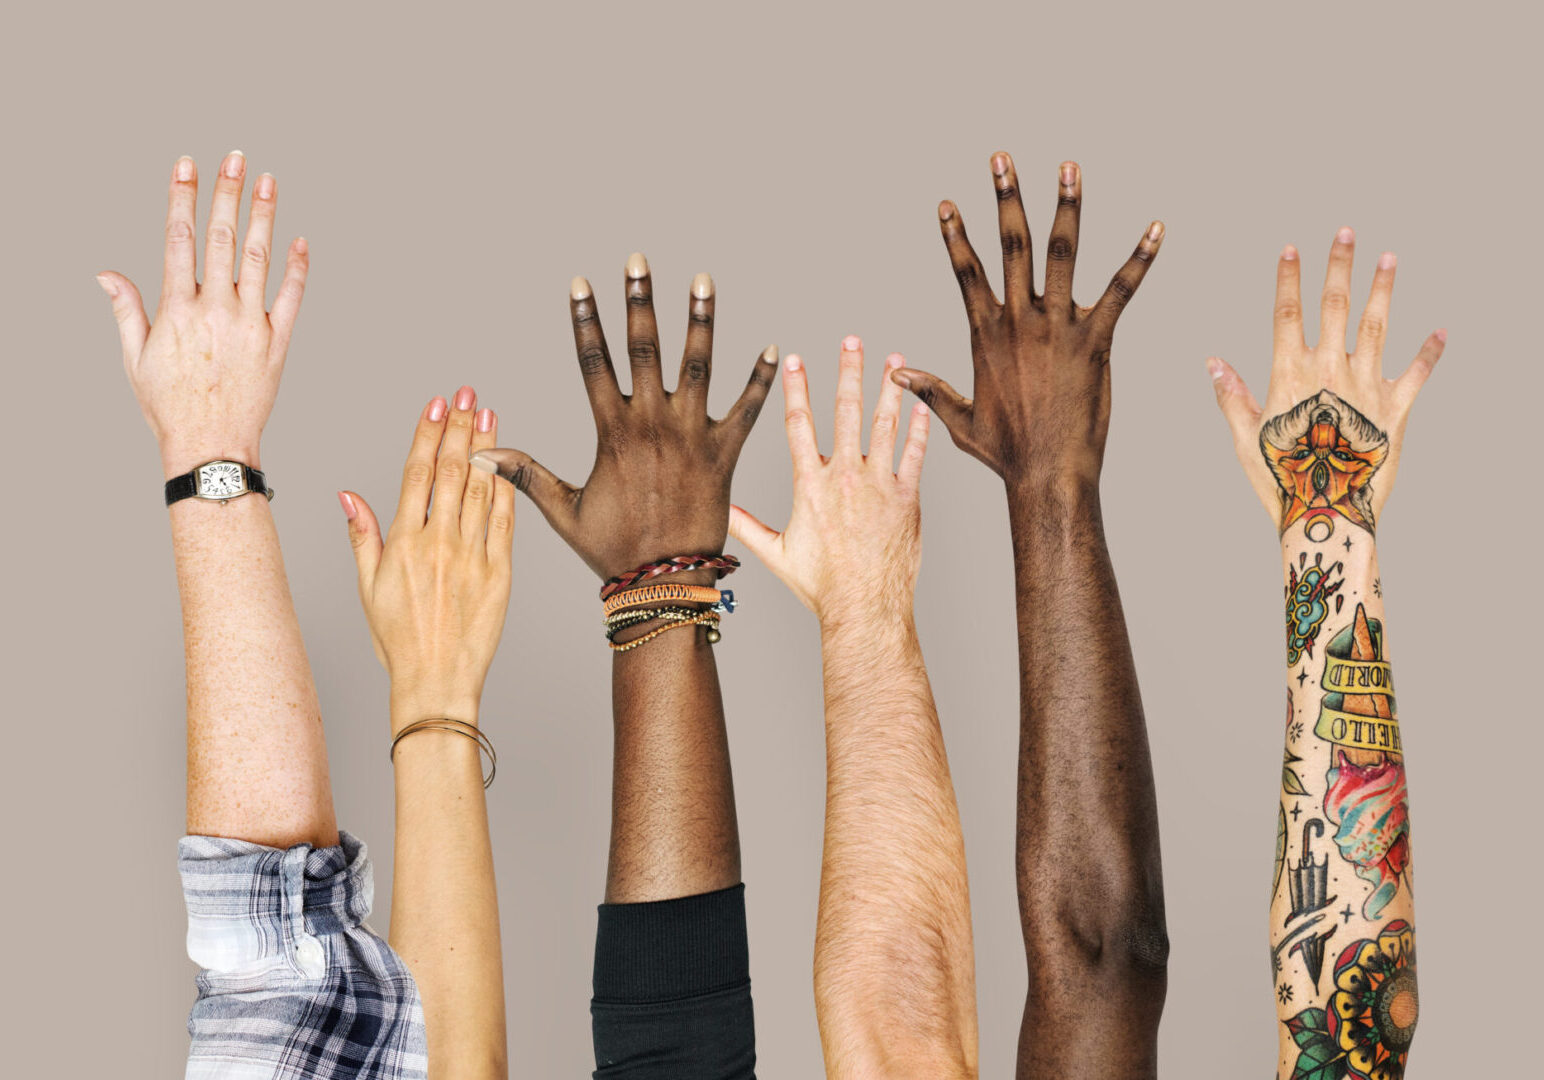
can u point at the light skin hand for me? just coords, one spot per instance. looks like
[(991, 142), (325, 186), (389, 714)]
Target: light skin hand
[(436, 588), (1299, 371), (1041, 405), (207, 371), (853, 542), (660, 483)]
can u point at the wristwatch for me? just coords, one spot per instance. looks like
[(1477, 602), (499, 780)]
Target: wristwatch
[(217, 481)]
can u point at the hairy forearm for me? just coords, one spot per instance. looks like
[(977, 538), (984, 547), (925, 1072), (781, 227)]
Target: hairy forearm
[(444, 910), (1342, 943), (1089, 872), (257, 758), (673, 827), (894, 963)]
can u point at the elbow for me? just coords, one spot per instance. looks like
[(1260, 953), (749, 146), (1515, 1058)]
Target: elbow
[(1122, 934)]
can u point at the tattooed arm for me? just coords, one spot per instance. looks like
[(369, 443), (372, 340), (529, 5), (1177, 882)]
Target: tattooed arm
[(1322, 454), (1090, 882), (894, 969)]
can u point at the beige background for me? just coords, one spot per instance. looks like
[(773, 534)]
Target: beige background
[(453, 167)]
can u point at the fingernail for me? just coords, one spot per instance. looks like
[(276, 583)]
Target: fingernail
[(1289, 253), (484, 420), (1441, 335), (945, 210), (1345, 236), (235, 164), (999, 165), (302, 246), (579, 289), (851, 343), (264, 189), (464, 398), (184, 170), (483, 462), (1069, 175), (1154, 232), (702, 286), (437, 410), (109, 286), (350, 511), (1214, 366), (922, 409), (895, 360), (793, 363), (1387, 260), (769, 354), (637, 266), (902, 380)]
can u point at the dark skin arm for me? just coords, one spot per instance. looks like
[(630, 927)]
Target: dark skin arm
[(659, 488), (1089, 877)]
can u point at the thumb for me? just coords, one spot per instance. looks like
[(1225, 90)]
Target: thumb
[(952, 407), (364, 533), (552, 496), (1238, 405), (129, 310), (764, 543)]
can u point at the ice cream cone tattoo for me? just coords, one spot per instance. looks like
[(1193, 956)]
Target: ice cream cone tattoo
[(1323, 454)]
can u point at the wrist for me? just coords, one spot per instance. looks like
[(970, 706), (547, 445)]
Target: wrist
[(408, 708), (181, 456), (872, 619), (1062, 490)]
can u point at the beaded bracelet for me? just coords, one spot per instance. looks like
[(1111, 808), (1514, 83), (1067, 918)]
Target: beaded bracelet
[(722, 600), (702, 618), (459, 727), (724, 564), (624, 619)]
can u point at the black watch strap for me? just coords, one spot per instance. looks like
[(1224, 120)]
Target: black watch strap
[(186, 485)]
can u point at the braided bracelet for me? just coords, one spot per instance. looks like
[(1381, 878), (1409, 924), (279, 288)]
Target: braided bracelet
[(702, 618), (460, 727), (722, 600), (724, 564)]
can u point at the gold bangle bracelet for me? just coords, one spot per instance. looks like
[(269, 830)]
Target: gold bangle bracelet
[(459, 727)]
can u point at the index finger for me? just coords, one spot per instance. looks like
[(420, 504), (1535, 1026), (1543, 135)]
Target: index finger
[(600, 378)]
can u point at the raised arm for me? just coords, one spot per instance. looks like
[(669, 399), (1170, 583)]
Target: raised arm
[(435, 590), (1089, 875), (894, 968), (1322, 454), (671, 956), (206, 374)]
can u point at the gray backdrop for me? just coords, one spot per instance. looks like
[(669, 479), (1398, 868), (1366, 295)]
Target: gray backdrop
[(454, 167)]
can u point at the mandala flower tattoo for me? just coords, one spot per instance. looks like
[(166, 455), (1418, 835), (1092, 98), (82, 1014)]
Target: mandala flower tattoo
[(1366, 1031)]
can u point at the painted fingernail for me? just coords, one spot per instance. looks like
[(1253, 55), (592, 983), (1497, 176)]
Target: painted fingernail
[(902, 380), (1000, 165), (895, 360), (464, 398), (184, 170), (1387, 260), (1289, 253), (109, 286), (436, 410), (235, 164), (637, 266), (702, 286), (945, 210), (350, 511), (1214, 366), (483, 462), (1345, 236), (264, 189), (769, 354), (579, 289), (1069, 174), (793, 363), (1154, 232), (1441, 335), (485, 420)]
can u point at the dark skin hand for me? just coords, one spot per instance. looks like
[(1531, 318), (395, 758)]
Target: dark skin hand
[(1089, 876), (659, 488)]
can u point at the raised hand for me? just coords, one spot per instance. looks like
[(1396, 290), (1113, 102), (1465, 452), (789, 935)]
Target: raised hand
[(1331, 423), (853, 543), (660, 483), (207, 371), (435, 592), (1041, 404)]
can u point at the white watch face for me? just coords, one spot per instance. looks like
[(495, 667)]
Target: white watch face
[(220, 480)]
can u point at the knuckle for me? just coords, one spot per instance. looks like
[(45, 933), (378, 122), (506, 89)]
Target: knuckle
[(1373, 326), (1122, 290), (1336, 300), (475, 493), (640, 296), (967, 276), (255, 253), (501, 522), (451, 469), (593, 359), (586, 314), (1013, 244), (696, 369), (178, 232), (800, 418), (702, 316), (357, 537), (418, 473), (1289, 311), (643, 352), (1007, 192), (1061, 247), (221, 235)]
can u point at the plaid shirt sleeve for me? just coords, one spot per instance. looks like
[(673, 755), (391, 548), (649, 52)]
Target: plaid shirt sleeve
[(292, 982)]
